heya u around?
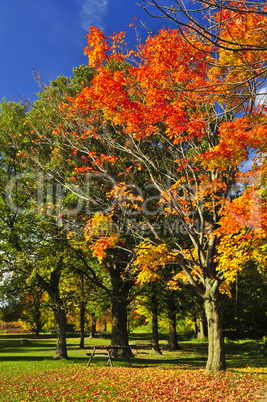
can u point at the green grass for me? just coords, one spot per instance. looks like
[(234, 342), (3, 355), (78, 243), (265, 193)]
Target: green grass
[(28, 372), (36, 352)]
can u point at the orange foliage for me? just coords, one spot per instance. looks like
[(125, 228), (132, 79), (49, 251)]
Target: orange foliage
[(170, 95), (97, 47)]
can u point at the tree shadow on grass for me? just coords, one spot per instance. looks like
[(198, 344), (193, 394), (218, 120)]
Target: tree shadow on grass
[(143, 362), (24, 350), (24, 358), (246, 361), (186, 363)]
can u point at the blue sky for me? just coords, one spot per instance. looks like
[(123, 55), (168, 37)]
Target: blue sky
[(49, 35)]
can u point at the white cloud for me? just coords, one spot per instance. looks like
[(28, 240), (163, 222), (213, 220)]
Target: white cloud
[(261, 98), (93, 13)]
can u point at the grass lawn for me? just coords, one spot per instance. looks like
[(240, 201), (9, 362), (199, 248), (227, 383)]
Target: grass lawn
[(28, 372)]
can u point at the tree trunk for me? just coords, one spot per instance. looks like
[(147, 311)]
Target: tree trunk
[(119, 335), (52, 288), (155, 331), (82, 316), (38, 323), (236, 302), (119, 299), (216, 352), (117, 262), (172, 342), (36, 297), (200, 331), (93, 326), (61, 323)]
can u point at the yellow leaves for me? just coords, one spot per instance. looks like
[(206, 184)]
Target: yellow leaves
[(147, 275), (242, 234), (233, 251), (99, 225), (150, 258), (101, 235), (174, 283), (259, 254), (225, 288)]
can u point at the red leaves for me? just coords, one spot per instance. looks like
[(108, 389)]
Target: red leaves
[(129, 384), (97, 47), (158, 90)]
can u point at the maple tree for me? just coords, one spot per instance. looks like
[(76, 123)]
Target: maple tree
[(188, 145), (235, 31), (211, 30)]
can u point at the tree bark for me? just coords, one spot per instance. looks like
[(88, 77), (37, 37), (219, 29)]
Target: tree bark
[(119, 335), (216, 351), (38, 323), (61, 323), (172, 342), (52, 288), (119, 298), (36, 297), (155, 331), (93, 326), (82, 319), (200, 330)]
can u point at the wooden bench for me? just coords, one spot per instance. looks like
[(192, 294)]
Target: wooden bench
[(110, 352)]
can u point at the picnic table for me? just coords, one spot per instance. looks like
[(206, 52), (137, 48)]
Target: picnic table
[(110, 352), (139, 346)]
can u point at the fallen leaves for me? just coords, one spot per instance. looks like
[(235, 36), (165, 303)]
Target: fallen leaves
[(132, 384)]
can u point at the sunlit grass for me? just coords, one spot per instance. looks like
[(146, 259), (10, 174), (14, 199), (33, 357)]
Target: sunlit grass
[(29, 373)]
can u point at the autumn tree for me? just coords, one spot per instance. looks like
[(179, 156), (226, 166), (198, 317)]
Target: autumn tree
[(164, 131), (206, 19), (234, 31), (177, 139), (79, 167), (168, 125)]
